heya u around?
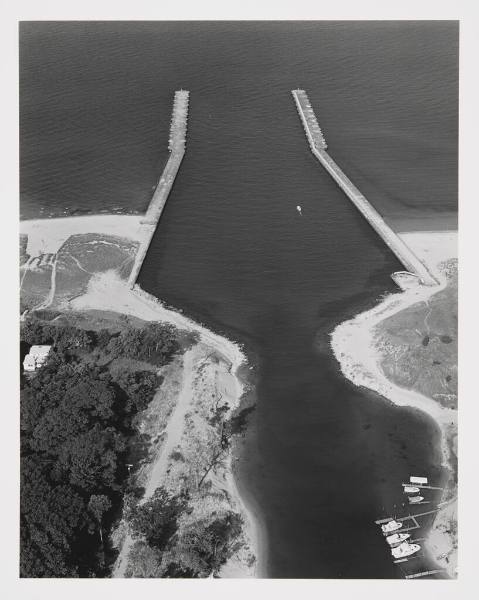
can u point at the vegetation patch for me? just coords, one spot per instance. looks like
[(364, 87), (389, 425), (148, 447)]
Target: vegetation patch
[(77, 430), (419, 344)]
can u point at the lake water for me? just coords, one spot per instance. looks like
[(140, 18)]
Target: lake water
[(321, 459)]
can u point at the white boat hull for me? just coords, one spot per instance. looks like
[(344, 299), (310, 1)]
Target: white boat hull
[(405, 550), (416, 499), (397, 538), (391, 526)]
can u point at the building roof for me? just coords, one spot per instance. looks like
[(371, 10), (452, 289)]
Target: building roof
[(39, 350)]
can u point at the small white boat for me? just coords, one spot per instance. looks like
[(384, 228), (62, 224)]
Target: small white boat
[(396, 538), (405, 549), (391, 526), (415, 499), (420, 480), (299, 209), (411, 489)]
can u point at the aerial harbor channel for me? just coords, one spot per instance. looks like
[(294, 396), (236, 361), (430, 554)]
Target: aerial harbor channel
[(322, 459)]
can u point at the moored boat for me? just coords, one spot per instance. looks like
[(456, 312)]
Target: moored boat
[(411, 489), (397, 538), (391, 526), (415, 499), (405, 549)]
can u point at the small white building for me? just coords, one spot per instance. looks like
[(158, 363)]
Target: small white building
[(36, 357)]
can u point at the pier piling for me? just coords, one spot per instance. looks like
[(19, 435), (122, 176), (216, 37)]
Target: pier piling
[(318, 147)]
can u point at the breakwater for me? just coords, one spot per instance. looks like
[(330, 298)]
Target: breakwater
[(318, 147), (176, 146)]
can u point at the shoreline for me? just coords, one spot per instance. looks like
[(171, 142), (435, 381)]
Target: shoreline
[(108, 292), (354, 347), (46, 236)]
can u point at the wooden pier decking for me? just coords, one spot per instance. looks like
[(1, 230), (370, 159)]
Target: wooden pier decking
[(424, 573), (422, 486), (392, 240), (176, 146), (423, 514), (311, 127)]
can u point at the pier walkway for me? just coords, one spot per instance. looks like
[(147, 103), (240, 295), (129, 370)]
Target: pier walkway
[(318, 148), (176, 146)]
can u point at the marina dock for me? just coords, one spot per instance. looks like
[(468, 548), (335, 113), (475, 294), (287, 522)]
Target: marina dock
[(423, 514), (176, 146), (425, 573), (318, 146), (422, 486)]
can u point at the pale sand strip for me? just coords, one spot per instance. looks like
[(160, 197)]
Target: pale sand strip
[(48, 235), (353, 341), (355, 349), (173, 431)]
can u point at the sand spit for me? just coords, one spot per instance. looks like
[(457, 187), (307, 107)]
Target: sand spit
[(107, 291), (353, 344), (46, 236)]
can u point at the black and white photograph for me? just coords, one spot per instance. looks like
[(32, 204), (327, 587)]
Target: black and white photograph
[(237, 299)]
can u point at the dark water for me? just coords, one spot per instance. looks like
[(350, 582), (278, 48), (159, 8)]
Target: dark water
[(322, 459)]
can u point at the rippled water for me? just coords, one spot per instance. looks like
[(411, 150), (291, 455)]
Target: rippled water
[(322, 459)]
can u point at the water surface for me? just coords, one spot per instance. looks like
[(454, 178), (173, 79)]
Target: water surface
[(322, 459)]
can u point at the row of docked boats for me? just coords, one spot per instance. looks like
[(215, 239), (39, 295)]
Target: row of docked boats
[(399, 542), (413, 489), (400, 546)]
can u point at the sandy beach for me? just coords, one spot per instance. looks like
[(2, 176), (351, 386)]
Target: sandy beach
[(46, 236), (107, 291), (354, 346)]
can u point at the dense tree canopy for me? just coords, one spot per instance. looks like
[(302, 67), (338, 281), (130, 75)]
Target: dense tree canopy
[(155, 343), (51, 516), (205, 546), (139, 386), (156, 520), (76, 420), (35, 331)]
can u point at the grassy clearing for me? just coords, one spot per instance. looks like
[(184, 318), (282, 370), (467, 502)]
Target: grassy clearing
[(419, 344)]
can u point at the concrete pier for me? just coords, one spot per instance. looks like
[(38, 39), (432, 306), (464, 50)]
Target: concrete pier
[(318, 147), (176, 146), (311, 127)]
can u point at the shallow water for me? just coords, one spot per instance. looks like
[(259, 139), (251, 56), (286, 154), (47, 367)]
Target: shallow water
[(322, 459)]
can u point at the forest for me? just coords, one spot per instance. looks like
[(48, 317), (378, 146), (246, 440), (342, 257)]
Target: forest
[(77, 424)]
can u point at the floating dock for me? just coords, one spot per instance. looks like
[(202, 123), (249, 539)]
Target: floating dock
[(176, 146), (422, 486), (425, 573), (318, 147), (423, 514)]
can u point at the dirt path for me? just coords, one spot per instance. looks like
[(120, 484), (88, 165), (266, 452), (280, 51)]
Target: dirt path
[(175, 425), (53, 283), (173, 431)]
